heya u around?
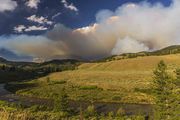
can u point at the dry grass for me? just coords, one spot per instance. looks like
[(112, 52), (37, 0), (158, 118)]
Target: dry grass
[(137, 64), (28, 115), (106, 79), (127, 74), (115, 78), (4, 115)]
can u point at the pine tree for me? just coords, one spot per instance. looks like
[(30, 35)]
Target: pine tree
[(163, 87), (176, 93), (178, 77), (3, 68), (61, 102)]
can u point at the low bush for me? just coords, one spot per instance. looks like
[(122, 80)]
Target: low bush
[(58, 82), (90, 87), (90, 111), (121, 112), (116, 98)]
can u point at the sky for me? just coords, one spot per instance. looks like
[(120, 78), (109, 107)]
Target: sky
[(54, 11), (58, 29)]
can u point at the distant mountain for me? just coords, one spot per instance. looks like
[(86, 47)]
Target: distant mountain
[(9, 55), (168, 50), (5, 54), (55, 62), (2, 60), (165, 51), (63, 61)]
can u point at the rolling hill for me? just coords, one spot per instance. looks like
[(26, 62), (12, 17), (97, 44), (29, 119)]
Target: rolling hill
[(136, 71), (7, 54), (19, 71), (121, 81), (113, 81), (175, 49), (2, 60)]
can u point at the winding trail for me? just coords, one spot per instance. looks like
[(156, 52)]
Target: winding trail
[(101, 107)]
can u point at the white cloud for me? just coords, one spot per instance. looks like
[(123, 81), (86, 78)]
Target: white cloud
[(35, 28), (56, 15), (22, 28), (70, 6), (40, 20), (19, 28), (33, 3), (7, 5)]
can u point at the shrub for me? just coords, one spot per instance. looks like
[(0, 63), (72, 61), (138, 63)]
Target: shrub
[(111, 115), (59, 82), (48, 80), (36, 108), (163, 91), (116, 98), (61, 102), (90, 87), (120, 112), (91, 111)]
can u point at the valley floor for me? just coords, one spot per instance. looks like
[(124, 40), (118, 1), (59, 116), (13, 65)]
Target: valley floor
[(125, 84)]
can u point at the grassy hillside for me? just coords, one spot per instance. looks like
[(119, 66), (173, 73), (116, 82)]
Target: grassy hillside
[(19, 71), (114, 81), (139, 63), (175, 49)]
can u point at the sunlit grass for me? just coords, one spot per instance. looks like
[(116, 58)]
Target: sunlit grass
[(114, 81)]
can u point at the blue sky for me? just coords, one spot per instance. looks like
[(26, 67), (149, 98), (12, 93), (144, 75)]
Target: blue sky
[(56, 11)]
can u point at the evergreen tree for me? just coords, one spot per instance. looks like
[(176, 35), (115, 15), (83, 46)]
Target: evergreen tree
[(178, 78), (61, 102), (163, 89), (176, 93), (3, 68), (12, 68)]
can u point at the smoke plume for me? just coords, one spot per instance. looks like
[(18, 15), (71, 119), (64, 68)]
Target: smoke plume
[(130, 28)]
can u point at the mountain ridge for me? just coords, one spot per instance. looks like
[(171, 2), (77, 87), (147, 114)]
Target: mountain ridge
[(164, 51)]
